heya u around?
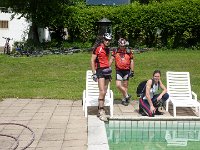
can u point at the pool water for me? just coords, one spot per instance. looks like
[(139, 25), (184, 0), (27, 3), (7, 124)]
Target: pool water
[(153, 135)]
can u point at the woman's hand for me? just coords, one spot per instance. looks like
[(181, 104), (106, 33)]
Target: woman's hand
[(159, 97), (152, 108)]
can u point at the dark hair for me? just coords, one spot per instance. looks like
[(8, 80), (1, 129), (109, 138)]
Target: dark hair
[(156, 71), (98, 42)]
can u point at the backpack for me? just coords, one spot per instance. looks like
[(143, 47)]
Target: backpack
[(141, 88)]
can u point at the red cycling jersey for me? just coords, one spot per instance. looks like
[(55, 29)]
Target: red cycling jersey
[(102, 59), (122, 59)]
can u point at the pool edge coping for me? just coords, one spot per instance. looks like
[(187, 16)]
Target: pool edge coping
[(97, 137)]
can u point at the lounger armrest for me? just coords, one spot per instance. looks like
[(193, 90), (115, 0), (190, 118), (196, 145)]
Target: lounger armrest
[(84, 93), (167, 104), (194, 95), (84, 96), (111, 95)]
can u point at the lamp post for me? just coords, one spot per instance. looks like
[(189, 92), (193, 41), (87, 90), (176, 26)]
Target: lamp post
[(104, 25)]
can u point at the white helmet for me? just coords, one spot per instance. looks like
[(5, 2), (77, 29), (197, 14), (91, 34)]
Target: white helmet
[(107, 36), (122, 42), (127, 43)]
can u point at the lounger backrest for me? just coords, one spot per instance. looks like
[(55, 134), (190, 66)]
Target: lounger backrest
[(92, 89), (178, 85)]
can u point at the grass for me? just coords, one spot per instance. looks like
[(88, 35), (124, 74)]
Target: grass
[(63, 76)]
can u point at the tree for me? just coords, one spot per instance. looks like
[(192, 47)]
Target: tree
[(42, 13)]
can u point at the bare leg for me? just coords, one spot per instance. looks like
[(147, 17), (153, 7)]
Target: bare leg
[(121, 88), (125, 85), (103, 85)]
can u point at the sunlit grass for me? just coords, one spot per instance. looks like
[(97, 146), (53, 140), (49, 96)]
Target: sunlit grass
[(63, 76)]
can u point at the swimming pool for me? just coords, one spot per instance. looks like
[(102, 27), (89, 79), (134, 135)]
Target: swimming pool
[(154, 134)]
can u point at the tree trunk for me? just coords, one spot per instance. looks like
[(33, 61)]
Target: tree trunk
[(177, 39), (33, 34), (164, 37)]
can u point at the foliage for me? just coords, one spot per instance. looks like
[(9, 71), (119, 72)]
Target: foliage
[(42, 13), (171, 24), (159, 23)]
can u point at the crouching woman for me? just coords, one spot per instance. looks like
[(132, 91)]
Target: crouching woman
[(150, 101)]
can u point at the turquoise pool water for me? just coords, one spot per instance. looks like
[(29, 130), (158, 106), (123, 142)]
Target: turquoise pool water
[(153, 135)]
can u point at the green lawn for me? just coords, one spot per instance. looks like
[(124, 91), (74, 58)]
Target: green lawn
[(63, 76)]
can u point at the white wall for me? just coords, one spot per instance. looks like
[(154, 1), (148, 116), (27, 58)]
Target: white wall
[(17, 28)]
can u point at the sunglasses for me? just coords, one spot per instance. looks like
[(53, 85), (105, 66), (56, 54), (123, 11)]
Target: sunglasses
[(107, 40)]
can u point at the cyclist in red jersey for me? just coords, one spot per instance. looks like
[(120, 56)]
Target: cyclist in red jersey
[(124, 65), (102, 72)]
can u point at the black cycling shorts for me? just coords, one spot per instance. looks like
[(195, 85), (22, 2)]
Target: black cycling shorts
[(100, 74), (122, 75)]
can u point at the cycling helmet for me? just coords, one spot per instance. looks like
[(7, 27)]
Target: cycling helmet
[(127, 43), (122, 42), (107, 36)]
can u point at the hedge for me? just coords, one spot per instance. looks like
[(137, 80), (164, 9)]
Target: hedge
[(171, 24)]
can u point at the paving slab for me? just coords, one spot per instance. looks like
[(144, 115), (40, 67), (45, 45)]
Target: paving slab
[(57, 124), (60, 124)]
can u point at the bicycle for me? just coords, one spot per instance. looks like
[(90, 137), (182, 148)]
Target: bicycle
[(7, 47)]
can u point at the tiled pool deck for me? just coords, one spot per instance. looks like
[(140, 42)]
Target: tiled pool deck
[(59, 124)]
